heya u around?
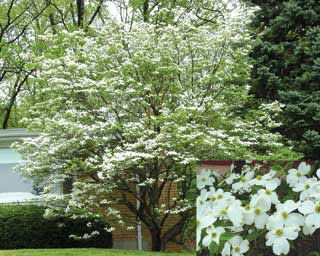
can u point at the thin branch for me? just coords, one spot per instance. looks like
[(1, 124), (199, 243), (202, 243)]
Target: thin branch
[(95, 13)]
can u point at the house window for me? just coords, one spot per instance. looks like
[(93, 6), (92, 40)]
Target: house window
[(13, 187)]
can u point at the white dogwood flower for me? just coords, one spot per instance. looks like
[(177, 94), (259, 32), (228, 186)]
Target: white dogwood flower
[(236, 246), (234, 213), (205, 178), (308, 230), (268, 180), (278, 237), (244, 183), (260, 206), (229, 180), (248, 215), (295, 175), (205, 218), (222, 205), (304, 184), (270, 194), (306, 187), (312, 212), (202, 198), (213, 234), (285, 216), (312, 194)]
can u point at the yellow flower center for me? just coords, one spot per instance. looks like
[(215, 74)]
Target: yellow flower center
[(223, 212), (247, 207), (220, 196), (268, 192), (237, 249), (284, 215), (318, 208), (213, 235), (279, 232), (203, 179), (299, 174), (259, 177), (257, 211), (306, 186), (212, 199)]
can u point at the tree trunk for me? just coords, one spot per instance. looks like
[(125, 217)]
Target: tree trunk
[(155, 240), (146, 11), (80, 10)]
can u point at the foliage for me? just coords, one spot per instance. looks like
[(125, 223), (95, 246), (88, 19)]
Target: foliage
[(25, 227), (286, 67), (244, 208)]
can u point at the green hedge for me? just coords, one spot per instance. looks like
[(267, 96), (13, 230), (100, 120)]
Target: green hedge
[(23, 226)]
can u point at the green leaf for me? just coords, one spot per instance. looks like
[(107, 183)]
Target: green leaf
[(254, 235), (226, 236), (213, 248)]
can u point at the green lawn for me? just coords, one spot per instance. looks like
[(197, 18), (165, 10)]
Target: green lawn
[(85, 252)]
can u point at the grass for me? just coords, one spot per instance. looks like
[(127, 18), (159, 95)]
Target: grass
[(85, 252)]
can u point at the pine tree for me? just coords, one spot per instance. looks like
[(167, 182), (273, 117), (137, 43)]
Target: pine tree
[(286, 67)]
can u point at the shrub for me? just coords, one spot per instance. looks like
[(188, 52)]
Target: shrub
[(23, 226)]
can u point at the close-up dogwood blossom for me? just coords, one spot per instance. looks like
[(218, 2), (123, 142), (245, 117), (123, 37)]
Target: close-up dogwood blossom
[(239, 210)]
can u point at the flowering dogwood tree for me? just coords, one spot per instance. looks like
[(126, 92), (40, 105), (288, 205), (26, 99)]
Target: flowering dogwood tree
[(236, 210), (133, 108)]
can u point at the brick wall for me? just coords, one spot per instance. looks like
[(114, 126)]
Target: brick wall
[(124, 238)]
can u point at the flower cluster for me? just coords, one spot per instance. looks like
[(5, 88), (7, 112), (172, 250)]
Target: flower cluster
[(235, 210)]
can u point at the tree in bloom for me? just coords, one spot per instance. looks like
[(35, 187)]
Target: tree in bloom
[(263, 214), (133, 109)]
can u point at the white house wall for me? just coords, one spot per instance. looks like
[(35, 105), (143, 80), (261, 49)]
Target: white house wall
[(9, 156), (11, 181)]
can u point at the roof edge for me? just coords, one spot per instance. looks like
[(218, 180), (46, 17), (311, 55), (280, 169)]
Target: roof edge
[(8, 136)]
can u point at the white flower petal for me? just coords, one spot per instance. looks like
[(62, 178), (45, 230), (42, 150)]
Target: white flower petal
[(261, 220), (291, 233), (281, 246), (304, 168), (306, 207), (313, 220), (263, 203), (244, 246), (226, 249), (290, 206), (206, 240), (235, 241)]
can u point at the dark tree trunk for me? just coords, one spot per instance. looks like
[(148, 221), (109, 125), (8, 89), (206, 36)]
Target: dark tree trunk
[(17, 88), (146, 11), (172, 232), (80, 10), (156, 240)]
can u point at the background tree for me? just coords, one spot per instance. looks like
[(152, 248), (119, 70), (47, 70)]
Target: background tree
[(16, 18), (286, 67), (22, 23)]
